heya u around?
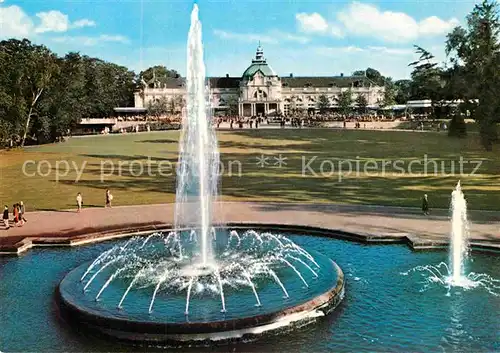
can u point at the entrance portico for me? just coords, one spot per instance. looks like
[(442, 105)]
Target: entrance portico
[(258, 108), (260, 89)]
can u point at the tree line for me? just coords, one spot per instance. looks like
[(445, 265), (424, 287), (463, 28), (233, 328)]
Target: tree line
[(44, 96)]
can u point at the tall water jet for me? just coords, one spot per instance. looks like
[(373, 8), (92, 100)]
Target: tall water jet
[(459, 234), (197, 174)]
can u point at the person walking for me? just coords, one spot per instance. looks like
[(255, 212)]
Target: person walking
[(425, 205), (22, 211), (17, 221), (109, 198), (79, 202), (6, 217)]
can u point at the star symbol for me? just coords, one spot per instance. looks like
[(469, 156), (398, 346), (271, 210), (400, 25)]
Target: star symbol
[(280, 161), (262, 161)]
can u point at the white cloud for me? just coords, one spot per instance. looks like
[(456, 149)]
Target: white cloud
[(273, 37), (367, 20), (311, 22), (314, 23), (52, 21), (245, 37), (392, 51), (56, 21), (289, 37), (371, 50), (83, 23), (434, 25), (91, 41), (14, 22)]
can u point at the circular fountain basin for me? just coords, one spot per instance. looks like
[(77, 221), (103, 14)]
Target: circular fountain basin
[(164, 313)]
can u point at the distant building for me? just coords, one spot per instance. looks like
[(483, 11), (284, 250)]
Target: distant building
[(260, 91)]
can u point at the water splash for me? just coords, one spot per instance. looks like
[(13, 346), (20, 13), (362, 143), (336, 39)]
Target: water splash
[(156, 265), (442, 276), (453, 275)]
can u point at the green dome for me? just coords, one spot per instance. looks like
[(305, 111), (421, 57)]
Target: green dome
[(262, 67), (258, 64)]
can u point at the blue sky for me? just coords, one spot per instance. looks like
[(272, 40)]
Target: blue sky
[(300, 37)]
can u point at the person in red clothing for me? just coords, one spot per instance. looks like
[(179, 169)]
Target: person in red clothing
[(18, 222)]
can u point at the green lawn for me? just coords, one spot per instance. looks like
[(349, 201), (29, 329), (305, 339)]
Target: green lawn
[(394, 186)]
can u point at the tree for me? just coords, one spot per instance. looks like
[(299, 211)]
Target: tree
[(178, 103), (389, 92), (42, 95), (475, 55), (362, 102), (30, 68), (374, 75), (344, 101), (427, 79), (158, 72), (323, 103), (402, 91), (426, 76), (159, 107), (232, 106)]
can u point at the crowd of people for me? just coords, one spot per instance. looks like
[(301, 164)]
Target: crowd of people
[(18, 212)]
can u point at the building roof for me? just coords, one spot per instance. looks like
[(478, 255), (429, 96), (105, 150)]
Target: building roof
[(264, 68), (325, 81), (224, 82), (258, 64)]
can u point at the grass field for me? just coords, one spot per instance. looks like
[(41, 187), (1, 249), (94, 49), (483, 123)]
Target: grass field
[(115, 162)]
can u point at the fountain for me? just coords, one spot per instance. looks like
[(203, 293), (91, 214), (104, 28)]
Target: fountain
[(459, 234), (453, 274), (200, 282)]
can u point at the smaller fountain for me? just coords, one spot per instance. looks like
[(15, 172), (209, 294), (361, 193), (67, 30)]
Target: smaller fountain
[(459, 235), (454, 274)]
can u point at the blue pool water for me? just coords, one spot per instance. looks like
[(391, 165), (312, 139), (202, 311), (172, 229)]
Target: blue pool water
[(384, 310)]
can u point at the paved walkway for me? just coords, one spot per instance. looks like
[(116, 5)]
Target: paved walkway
[(367, 221)]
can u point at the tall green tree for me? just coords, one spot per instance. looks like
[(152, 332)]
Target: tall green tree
[(323, 103), (345, 101), (159, 73), (427, 76), (28, 70), (389, 92), (232, 105), (475, 54), (402, 91), (362, 103), (159, 107)]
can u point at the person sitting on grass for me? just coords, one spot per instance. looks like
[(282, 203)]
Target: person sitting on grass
[(6, 217), (425, 205)]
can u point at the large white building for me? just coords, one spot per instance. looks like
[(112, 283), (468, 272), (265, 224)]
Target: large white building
[(260, 91)]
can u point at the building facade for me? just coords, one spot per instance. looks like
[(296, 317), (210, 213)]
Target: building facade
[(261, 92)]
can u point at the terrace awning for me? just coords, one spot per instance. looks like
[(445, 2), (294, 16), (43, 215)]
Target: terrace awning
[(130, 110)]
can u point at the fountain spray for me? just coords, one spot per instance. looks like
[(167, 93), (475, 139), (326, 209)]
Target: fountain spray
[(459, 234)]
